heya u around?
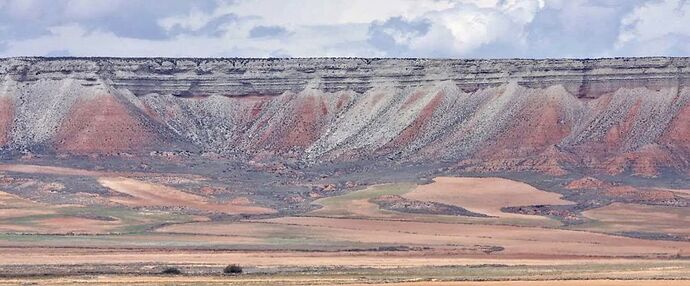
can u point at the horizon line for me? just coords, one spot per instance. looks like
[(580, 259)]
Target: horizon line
[(336, 57)]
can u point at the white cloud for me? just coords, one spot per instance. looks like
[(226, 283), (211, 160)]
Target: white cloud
[(656, 28), (296, 13), (332, 12), (317, 28), (466, 26), (368, 28)]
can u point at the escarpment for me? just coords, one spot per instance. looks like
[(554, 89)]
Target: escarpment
[(241, 77), (618, 115)]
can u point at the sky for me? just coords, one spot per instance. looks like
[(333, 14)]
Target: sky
[(345, 28)]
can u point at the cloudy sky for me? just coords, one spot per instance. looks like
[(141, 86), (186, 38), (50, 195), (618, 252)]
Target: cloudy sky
[(360, 28)]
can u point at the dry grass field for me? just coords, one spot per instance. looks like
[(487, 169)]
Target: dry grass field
[(618, 217)]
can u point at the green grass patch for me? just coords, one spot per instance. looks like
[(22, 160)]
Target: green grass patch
[(340, 205)]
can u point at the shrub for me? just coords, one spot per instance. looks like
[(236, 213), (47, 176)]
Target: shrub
[(171, 270), (232, 269)]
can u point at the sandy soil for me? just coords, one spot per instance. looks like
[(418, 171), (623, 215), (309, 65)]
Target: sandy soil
[(141, 193), (485, 195)]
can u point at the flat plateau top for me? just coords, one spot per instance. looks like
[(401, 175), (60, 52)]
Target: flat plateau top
[(574, 63)]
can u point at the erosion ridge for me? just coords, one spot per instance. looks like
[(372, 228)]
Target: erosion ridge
[(620, 115)]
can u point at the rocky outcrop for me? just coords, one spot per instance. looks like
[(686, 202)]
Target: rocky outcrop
[(614, 115), (241, 77)]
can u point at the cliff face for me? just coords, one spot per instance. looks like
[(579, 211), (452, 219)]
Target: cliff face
[(239, 77), (620, 115)]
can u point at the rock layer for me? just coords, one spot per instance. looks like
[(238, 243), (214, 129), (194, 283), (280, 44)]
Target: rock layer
[(240, 77), (619, 115)]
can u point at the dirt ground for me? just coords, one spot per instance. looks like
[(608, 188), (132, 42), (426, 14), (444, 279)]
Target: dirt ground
[(275, 258), (141, 193)]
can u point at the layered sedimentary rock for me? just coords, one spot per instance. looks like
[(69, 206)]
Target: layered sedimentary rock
[(238, 77), (620, 115)]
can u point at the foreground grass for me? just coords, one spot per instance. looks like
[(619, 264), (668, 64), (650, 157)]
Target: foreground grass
[(625, 273), (180, 281)]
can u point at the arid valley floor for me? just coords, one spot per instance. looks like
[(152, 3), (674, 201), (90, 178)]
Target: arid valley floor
[(144, 226), (345, 171)]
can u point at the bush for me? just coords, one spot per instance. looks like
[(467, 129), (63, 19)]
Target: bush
[(232, 269), (171, 270)]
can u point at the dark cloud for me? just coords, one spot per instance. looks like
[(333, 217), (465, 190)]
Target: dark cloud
[(215, 26), (28, 22), (131, 19), (267, 31), (382, 35)]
